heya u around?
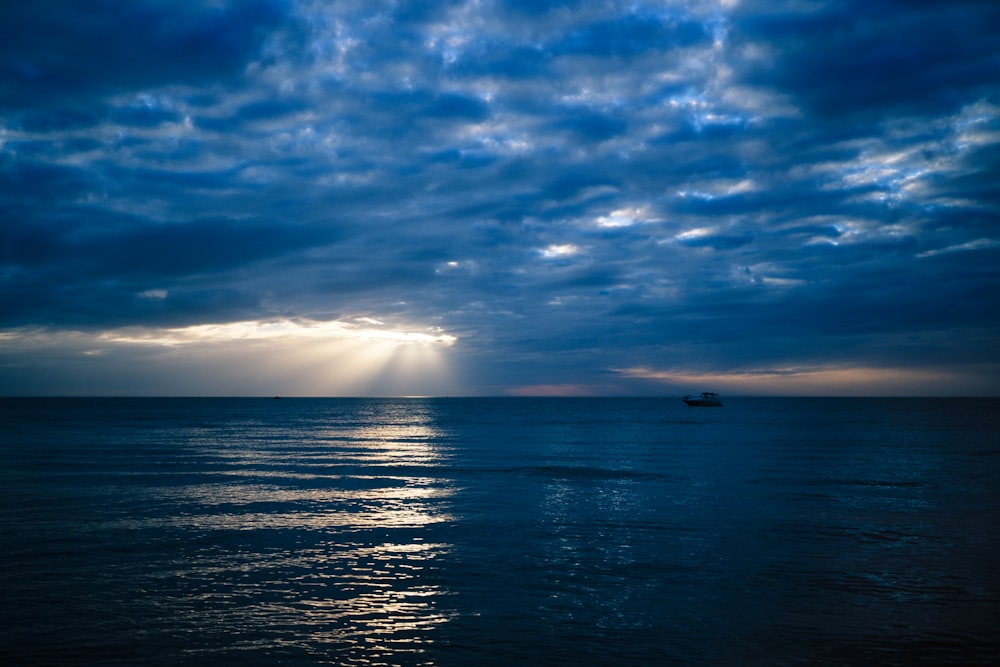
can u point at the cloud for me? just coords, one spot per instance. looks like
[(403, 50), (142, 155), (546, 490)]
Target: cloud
[(631, 35), (863, 60), (302, 357), (844, 381), (567, 187), (73, 50)]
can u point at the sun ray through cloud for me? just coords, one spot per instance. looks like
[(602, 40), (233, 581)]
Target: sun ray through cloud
[(574, 186)]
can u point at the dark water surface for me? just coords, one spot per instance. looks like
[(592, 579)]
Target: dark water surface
[(499, 532)]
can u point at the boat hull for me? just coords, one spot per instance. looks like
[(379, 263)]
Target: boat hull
[(706, 400), (702, 403)]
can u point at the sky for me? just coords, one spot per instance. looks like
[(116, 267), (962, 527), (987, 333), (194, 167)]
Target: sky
[(475, 197)]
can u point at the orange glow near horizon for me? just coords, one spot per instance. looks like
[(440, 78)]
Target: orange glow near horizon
[(836, 381)]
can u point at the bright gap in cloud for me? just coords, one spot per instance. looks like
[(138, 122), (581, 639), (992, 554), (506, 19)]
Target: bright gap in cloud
[(697, 233), (556, 251), (287, 357), (625, 217), (274, 330)]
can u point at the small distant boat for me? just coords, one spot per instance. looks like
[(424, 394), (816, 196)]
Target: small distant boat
[(707, 399)]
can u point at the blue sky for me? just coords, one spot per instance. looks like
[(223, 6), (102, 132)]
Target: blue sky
[(471, 197)]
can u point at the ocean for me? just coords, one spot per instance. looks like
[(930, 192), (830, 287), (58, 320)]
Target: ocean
[(499, 531)]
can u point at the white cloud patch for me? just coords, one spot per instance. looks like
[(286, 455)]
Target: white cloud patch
[(558, 251), (977, 244)]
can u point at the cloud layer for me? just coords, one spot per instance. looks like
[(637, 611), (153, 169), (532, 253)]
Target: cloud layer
[(592, 197)]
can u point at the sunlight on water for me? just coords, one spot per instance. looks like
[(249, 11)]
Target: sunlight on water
[(367, 495)]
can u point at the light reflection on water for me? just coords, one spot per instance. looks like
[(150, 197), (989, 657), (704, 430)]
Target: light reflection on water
[(318, 547)]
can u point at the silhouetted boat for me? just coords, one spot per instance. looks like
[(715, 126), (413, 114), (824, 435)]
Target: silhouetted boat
[(707, 399)]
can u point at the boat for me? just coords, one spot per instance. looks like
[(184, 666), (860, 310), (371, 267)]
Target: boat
[(707, 399)]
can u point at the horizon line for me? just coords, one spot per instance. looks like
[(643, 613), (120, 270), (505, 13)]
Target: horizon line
[(479, 396)]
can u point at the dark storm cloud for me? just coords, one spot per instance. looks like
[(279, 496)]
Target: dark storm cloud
[(40, 180), (630, 36), (872, 58), (72, 50), (589, 126), (571, 188)]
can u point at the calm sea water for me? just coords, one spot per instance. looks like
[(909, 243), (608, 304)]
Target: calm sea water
[(499, 532)]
